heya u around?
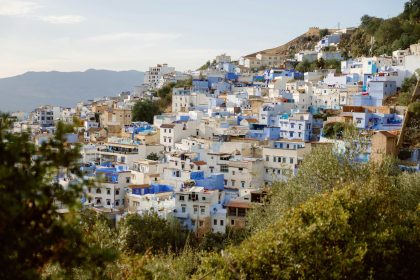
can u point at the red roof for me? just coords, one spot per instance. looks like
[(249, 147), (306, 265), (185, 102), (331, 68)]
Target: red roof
[(239, 204), (200, 162)]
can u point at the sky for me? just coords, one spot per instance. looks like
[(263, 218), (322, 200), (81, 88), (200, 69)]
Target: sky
[(75, 35)]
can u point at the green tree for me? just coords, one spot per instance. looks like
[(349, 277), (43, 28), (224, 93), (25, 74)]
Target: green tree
[(304, 66), (145, 110), (415, 108), (323, 32), (152, 156), (139, 234), (358, 230), (33, 234), (322, 170), (404, 98), (320, 63)]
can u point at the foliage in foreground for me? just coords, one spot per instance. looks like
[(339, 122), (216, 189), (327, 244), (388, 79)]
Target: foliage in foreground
[(359, 231), (33, 234)]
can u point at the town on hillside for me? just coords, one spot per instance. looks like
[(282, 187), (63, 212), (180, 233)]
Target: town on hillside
[(219, 136)]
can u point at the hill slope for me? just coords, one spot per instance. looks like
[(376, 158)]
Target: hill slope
[(303, 42), (32, 89)]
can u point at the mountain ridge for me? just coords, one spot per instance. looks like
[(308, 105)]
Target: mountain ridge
[(32, 89)]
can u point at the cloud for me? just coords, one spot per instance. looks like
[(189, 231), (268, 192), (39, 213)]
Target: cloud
[(67, 19), (17, 8), (130, 36)]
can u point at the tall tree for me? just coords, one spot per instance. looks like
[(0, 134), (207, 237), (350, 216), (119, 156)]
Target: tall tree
[(32, 232), (145, 110)]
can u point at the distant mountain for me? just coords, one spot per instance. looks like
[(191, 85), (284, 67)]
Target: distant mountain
[(27, 91)]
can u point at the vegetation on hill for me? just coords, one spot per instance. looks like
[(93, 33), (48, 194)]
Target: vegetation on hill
[(355, 231), (406, 92), (389, 34), (145, 110), (207, 65), (306, 66)]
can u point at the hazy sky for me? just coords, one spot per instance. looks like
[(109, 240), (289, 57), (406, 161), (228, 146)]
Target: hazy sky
[(74, 35)]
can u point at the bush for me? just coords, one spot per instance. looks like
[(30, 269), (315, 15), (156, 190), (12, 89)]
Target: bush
[(140, 234), (415, 108), (357, 231), (145, 110), (404, 98)]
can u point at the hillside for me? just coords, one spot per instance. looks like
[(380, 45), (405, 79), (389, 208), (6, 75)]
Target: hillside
[(303, 42), (34, 89), (387, 35)]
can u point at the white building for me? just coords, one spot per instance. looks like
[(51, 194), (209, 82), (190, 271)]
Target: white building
[(173, 133), (185, 100), (297, 126), (282, 159), (308, 55), (152, 77), (110, 191), (223, 58), (200, 210)]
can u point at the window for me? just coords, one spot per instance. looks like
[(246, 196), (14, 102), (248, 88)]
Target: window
[(224, 168), (193, 223), (221, 222), (117, 202), (215, 222), (195, 209), (233, 172), (183, 209), (203, 198), (127, 180), (108, 202), (232, 222), (98, 190), (108, 191), (117, 191), (274, 159), (181, 197), (202, 210), (243, 184), (201, 223), (267, 158), (233, 183), (291, 160)]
